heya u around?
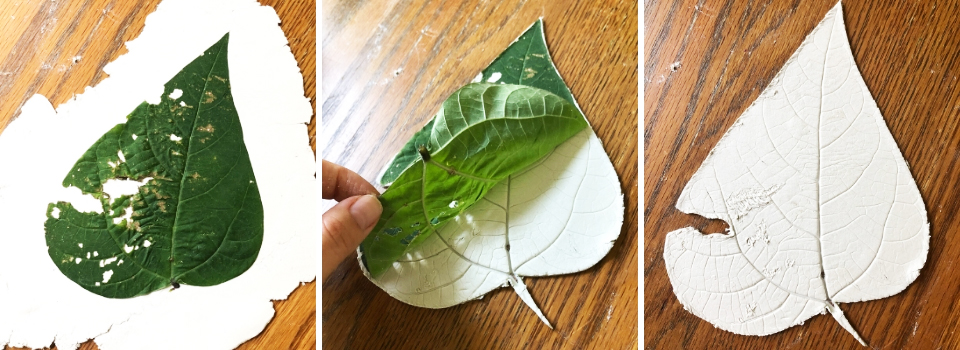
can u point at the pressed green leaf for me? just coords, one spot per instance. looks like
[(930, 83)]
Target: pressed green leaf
[(482, 134), (525, 62), (195, 217)]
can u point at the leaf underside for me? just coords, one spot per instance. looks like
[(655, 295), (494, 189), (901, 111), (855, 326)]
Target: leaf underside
[(195, 217), (821, 205), (482, 134), (525, 62)]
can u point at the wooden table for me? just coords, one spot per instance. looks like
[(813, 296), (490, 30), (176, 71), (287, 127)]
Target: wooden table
[(387, 66), (40, 39), (907, 53)]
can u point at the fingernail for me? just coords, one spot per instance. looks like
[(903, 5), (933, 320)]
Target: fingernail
[(366, 211)]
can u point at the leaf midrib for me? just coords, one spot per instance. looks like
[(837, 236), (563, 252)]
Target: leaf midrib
[(823, 74), (183, 177)]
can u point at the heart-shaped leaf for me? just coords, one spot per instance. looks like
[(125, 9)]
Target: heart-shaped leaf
[(180, 203), (821, 205), (560, 215)]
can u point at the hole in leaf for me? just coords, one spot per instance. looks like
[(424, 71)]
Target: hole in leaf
[(409, 238), (392, 231)]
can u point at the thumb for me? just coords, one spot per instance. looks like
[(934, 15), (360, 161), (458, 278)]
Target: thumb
[(345, 226)]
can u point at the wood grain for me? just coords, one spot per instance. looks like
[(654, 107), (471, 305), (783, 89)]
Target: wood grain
[(387, 66), (728, 51), (40, 41)]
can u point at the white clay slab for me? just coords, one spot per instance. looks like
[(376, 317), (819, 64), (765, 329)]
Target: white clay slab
[(39, 305)]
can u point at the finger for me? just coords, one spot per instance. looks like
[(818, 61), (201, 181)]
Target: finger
[(345, 226), (340, 183)]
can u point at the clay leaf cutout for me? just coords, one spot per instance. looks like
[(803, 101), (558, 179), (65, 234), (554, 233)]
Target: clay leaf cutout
[(178, 201), (821, 205), (559, 215)]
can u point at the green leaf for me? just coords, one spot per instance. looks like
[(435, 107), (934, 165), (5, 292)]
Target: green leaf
[(525, 62), (482, 134), (195, 217)]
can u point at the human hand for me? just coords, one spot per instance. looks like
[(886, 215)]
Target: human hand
[(347, 223)]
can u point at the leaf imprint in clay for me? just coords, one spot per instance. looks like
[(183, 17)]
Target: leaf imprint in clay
[(556, 215), (178, 200), (821, 206)]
